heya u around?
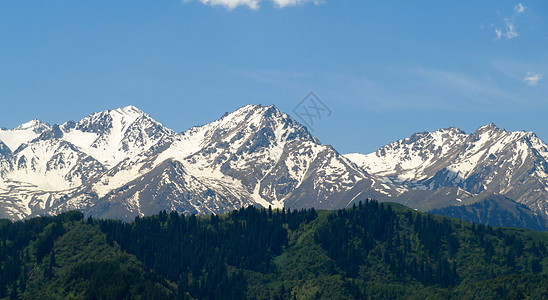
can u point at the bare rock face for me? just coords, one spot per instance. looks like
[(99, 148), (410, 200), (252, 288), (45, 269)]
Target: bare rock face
[(514, 164), (121, 164)]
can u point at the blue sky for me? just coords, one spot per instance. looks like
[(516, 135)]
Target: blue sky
[(386, 69)]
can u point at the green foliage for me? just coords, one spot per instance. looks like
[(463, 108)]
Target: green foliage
[(196, 252), (376, 245), (63, 258), (369, 251)]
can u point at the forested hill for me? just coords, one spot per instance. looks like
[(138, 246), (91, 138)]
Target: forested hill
[(372, 250)]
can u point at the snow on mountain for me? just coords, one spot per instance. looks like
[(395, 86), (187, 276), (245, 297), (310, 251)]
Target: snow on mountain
[(33, 175), (167, 187), (113, 135), (50, 165), (255, 155), (514, 164), (413, 158), (271, 155), (45, 164), (121, 163), (22, 134)]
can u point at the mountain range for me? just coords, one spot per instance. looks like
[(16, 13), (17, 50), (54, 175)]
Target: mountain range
[(122, 163), (456, 166)]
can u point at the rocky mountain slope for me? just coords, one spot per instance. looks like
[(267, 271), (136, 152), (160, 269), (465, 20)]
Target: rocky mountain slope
[(494, 210), (122, 163), (513, 164)]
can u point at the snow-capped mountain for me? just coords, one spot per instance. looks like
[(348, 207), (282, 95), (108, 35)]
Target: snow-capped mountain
[(22, 134), (255, 155), (44, 163), (122, 163), (514, 164), (114, 135), (414, 158)]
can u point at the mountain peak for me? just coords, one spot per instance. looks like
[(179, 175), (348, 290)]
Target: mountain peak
[(489, 127), (453, 130), (104, 121), (129, 110), (113, 135), (34, 125), (254, 155), (242, 110), (23, 133), (54, 133), (253, 113), (270, 116), (259, 108)]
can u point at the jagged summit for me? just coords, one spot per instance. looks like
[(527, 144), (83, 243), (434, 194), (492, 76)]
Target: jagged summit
[(111, 136), (266, 124), (454, 130), (104, 121), (259, 116), (14, 138), (130, 109), (35, 125), (122, 163), (513, 164), (54, 132), (413, 157), (491, 128), (253, 111)]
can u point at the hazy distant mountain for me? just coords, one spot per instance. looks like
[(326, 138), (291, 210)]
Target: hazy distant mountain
[(495, 210)]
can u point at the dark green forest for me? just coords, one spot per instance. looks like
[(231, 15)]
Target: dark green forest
[(370, 251)]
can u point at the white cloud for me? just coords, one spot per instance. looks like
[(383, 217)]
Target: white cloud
[(284, 3), (230, 4), (532, 79), (254, 4), (519, 9), (509, 30), (498, 32)]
